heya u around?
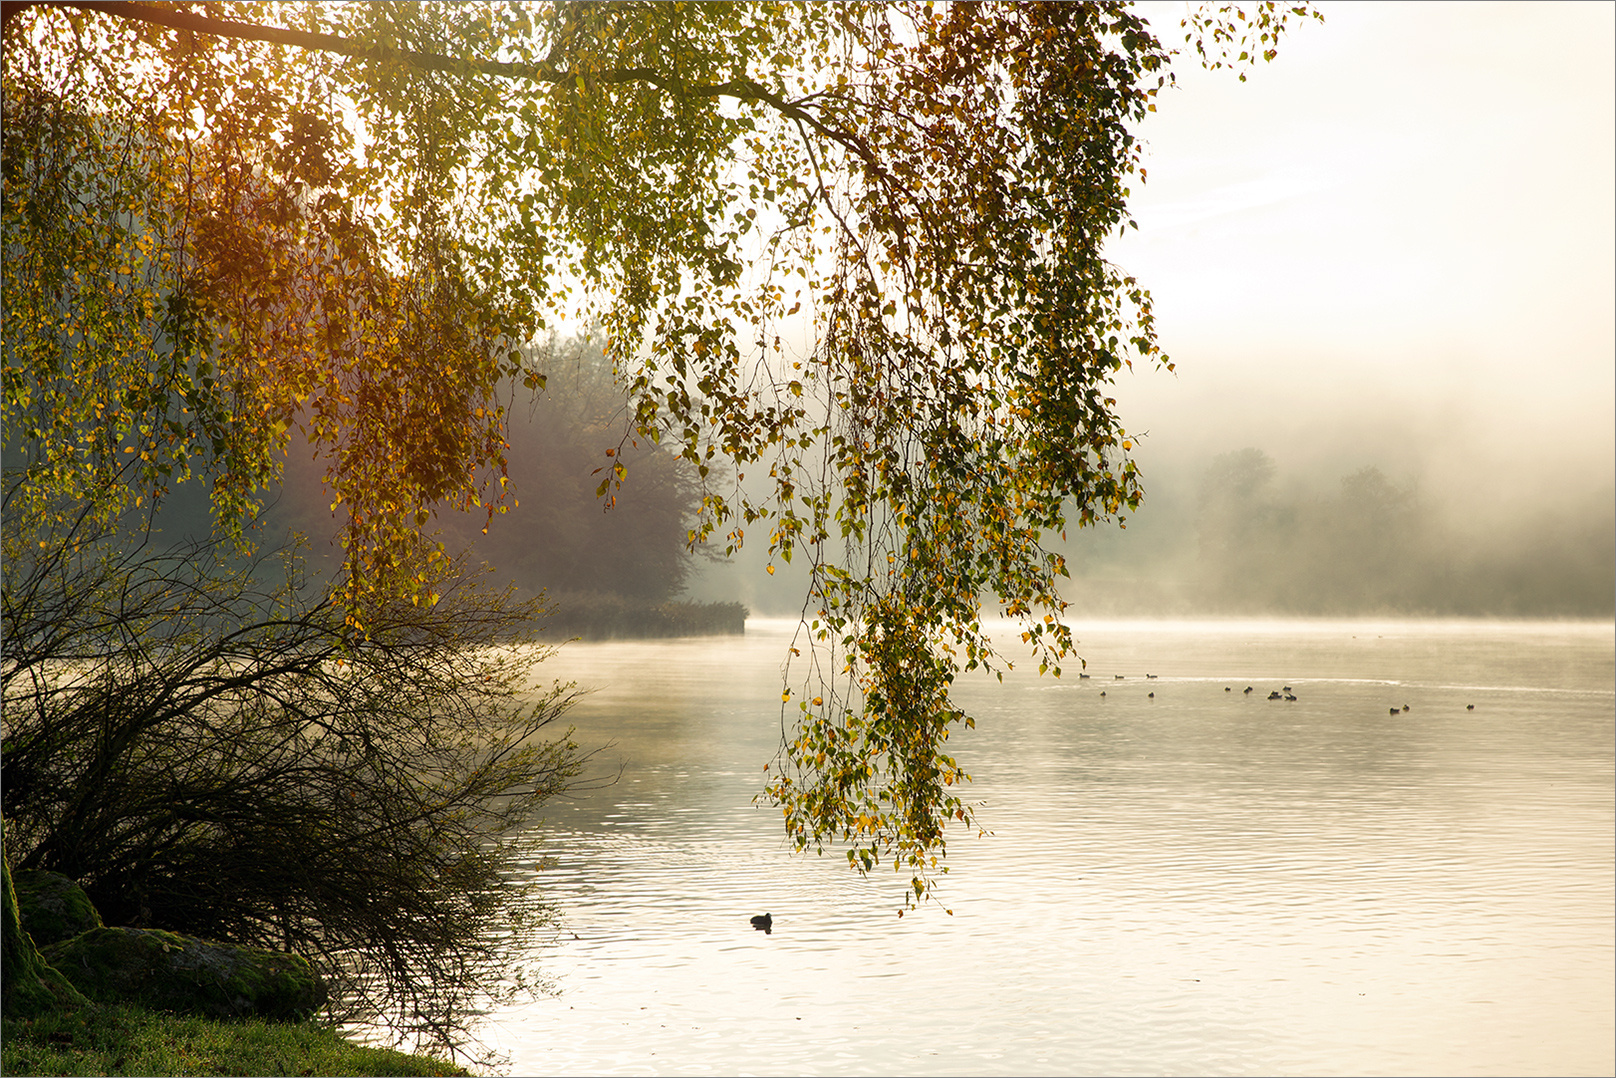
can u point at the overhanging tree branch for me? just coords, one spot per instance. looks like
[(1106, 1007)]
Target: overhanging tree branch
[(545, 72), (943, 194), (303, 39)]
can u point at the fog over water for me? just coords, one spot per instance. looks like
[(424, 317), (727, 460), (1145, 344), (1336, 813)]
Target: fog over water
[(1346, 509), (1392, 248)]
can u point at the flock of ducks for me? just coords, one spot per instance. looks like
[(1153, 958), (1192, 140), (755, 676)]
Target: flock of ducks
[(1287, 693)]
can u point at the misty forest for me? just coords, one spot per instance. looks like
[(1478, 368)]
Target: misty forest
[(1241, 536), (490, 488)]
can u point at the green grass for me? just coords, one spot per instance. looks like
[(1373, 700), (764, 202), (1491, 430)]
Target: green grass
[(130, 1040)]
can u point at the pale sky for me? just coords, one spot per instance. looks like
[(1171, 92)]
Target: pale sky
[(1400, 233)]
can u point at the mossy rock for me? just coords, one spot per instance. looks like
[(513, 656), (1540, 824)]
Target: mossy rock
[(52, 907), (171, 972), (27, 984)]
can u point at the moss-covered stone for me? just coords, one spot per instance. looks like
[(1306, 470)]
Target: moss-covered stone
[(52, 907), (168, 971), (28, 984)]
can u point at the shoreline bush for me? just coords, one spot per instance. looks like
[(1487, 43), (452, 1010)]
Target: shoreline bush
[(212, 753)]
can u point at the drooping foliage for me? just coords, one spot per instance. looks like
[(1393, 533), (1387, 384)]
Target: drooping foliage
[(193, 266), (855, 250)]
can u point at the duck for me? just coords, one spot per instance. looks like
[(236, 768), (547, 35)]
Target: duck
[(764, 924), (1248, 690), (1393, 711), (1150, 677), (1470, 707), (1405, 707), (1228, 688), (1274, 695), (1153, 696), (1290, 697)]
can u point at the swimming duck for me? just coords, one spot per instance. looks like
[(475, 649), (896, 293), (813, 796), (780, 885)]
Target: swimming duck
[(764, 924)]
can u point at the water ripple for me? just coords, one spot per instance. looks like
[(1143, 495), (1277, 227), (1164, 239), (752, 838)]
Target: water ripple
[(1199, 882)]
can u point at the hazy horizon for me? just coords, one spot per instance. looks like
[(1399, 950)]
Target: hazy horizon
[(1392, 247)]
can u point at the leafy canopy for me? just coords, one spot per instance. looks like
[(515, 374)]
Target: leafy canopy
[(856, 250)]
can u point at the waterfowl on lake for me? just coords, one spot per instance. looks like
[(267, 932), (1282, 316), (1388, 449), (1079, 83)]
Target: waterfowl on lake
[(1288, 696), (764, 924), (1150, 677), (1153, 696), (1102, 692), (1405, 707), (1228, 688), (1082, 675), (1394, 711), (1118, 677), (1470, 707), (1274, 695), (1248, 690)]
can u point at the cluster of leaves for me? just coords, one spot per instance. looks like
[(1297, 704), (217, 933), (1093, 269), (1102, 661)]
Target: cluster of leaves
[(195, 266), (1230, 35)]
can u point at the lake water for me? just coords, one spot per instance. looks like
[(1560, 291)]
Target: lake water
[(1201, 882)]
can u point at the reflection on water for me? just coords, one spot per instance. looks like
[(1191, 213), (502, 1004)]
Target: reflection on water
[(1203, 881)]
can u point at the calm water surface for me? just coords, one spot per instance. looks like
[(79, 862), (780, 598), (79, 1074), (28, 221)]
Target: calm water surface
[(1200, 882)]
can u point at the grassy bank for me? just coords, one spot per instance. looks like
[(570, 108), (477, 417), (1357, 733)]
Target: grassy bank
[(130, 1040)]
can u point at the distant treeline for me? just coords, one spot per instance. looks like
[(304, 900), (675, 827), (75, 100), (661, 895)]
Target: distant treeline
[(608, 617), (608, 566), (1370, 546), (625, 549)]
